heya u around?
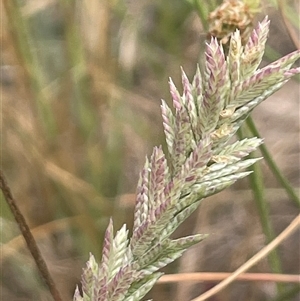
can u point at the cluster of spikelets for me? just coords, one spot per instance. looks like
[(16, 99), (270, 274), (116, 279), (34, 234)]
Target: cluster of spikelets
[(202, 161)]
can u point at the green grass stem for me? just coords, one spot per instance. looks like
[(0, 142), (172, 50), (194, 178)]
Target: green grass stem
[(258, 189), (28, 58), (78, 69), (273, 166), (289, 294), (203, 8)]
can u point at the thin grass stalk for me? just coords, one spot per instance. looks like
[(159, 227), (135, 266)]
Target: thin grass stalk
[(102, 66), (206, 276), (30, 241), (283, 181), (203, 8), (287, 232), (30, 62), (258, 189), (202, 12), (78, 69), (290, 19), (271, 53), (291, 12)]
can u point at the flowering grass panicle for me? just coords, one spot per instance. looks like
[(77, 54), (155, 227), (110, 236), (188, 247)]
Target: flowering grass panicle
[(201, 161)]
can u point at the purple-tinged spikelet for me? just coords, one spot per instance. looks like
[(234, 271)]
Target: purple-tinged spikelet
[(254, 49), (215, 87)]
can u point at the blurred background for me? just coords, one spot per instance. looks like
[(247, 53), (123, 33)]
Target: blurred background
[(81, 86)]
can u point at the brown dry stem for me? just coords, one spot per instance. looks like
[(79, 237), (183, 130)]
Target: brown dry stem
[(30, 241)]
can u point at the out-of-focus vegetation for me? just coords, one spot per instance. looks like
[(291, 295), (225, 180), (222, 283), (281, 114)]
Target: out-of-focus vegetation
[(81, 89)]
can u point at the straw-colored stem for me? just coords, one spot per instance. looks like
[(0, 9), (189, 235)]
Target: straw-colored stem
[(202, 277), (287, 232)]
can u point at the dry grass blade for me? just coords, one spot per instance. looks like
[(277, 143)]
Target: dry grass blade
[(252, 261)]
